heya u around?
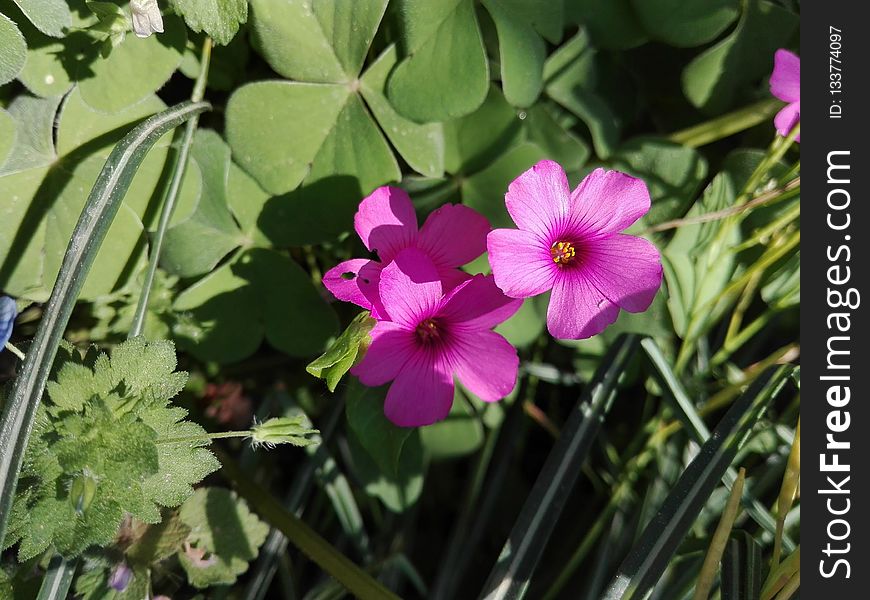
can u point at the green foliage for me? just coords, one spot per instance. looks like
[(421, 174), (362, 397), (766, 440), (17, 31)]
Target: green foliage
[(13, 50), (344, 352), (259, 293), (98, 449), (219, 19), (224, 537), (713, 80), (685, 23), (318, 102)]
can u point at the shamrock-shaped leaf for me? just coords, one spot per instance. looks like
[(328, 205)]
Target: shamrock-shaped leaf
[(716, 78), (259, 293)]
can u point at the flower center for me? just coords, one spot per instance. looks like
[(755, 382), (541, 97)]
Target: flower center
[(563, 253), (428, 331)]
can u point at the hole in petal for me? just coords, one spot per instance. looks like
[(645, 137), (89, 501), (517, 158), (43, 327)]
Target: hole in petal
[(348, 276)]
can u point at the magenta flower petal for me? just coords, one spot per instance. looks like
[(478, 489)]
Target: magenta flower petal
[(578, 309), (343, 281), (787, 118), (390, 348), (521, 262), (537, 200), (386, 222), (785, 82), (626, 269), (453, 235), (410, 289), (486, 364), (452, 278), (478, 304), (608, 202), (422, 393)]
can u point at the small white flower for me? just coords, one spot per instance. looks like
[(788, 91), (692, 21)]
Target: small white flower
[(146, 17)]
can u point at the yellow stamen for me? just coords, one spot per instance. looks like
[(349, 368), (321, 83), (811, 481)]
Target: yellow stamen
[(563, 253)]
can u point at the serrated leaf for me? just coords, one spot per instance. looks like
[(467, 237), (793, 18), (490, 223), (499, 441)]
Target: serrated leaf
[(157, 542), (219, 19), (13, 50), (180, 464), (100, 449), (260, 293), (195, 246), (225, 531), (445, 74), (344, 352)]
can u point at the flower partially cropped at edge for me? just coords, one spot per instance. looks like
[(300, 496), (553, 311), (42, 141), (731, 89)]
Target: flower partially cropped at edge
[(8, 312), (452, 236), (570, 243), (431, 336), (785, 84), (146, 17)]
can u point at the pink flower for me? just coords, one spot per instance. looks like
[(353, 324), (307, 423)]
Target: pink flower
[(785, 84), (570, 243), (431, 336), (452, 236)]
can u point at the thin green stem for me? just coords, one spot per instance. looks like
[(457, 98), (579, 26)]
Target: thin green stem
[(727, 125), (208, 437), (179, 166), (14, 350)]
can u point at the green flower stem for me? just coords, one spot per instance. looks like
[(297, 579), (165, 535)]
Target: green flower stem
[(727, 125), (357, 581), (209, 437), (179, 166), (14, 350), (744, 335)]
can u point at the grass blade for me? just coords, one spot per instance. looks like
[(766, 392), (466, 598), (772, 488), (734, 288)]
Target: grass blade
[(90, 231), (699, 432), (58, 578), (742, 572), (519, 557), (710, 568), (352, 577), (646, 562)]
